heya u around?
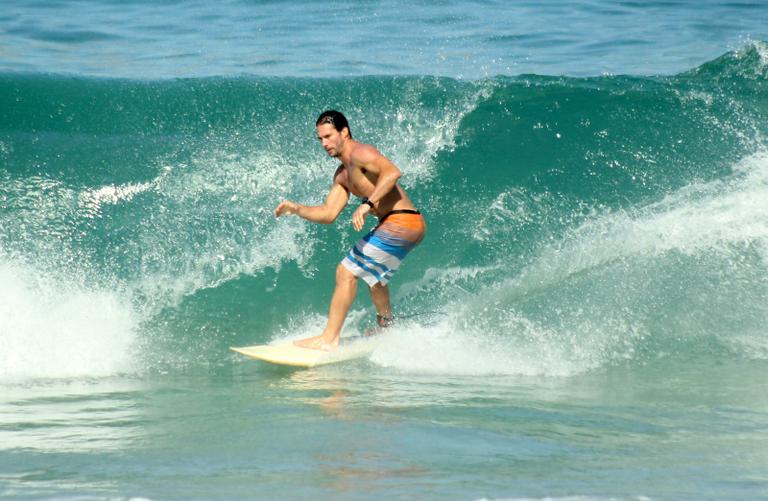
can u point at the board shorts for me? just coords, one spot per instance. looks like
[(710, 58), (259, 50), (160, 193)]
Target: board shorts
[(377, 256)]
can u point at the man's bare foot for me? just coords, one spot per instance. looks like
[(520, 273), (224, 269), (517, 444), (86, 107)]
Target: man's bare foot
[(316, 343)]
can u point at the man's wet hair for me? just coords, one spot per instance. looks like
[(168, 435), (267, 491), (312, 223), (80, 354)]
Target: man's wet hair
[(335, 118)]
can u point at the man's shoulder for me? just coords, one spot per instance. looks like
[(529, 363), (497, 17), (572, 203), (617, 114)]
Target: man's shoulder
[(364, 153), (340, 177)]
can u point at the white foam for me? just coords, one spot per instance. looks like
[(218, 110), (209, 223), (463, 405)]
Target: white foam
[(53, 329), (455, 347), (700, 217), (584, 301)]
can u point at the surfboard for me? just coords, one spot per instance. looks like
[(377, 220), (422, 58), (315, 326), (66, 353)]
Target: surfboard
[(289, 354)]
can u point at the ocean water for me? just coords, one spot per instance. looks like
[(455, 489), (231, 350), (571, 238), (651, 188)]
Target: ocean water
[(586, 319)]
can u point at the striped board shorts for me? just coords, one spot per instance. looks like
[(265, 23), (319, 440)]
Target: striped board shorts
[(377, 256)]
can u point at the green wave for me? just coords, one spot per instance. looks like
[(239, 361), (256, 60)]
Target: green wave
[(573, 222)]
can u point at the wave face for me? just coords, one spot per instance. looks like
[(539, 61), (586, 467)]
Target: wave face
[(574, 223)]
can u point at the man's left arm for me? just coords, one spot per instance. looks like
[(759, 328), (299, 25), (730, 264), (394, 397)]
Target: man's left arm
[(388, 174)]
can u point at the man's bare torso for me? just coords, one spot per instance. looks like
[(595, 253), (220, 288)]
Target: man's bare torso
[(360, 182)]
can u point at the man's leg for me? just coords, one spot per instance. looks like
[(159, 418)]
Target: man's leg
[(380, 298), (343, 296)]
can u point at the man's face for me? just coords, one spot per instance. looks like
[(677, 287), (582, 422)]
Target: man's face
[(331, 139)]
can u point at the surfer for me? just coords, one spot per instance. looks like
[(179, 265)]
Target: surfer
[(370, 176)]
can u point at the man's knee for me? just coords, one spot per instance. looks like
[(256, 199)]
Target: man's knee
[(343, 275), (378, 288)]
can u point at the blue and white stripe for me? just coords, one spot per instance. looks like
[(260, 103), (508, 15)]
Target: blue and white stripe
[(374, 260)]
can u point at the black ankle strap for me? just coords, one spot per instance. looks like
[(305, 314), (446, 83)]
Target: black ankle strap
[(383, 321)]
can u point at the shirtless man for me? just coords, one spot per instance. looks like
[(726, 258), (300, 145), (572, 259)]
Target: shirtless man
[(369, 175)]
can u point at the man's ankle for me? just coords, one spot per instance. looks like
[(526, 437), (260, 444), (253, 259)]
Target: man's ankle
[(384, 321)]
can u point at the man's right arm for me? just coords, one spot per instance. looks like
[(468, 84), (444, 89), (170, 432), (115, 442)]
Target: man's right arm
[(324, 214)]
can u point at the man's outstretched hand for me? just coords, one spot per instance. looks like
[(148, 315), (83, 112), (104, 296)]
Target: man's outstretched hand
[(286, 208)]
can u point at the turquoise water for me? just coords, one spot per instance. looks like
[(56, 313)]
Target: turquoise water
[(586, 318), (465, 39)]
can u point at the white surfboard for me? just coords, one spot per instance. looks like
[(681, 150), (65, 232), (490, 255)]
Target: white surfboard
[(290, 354)]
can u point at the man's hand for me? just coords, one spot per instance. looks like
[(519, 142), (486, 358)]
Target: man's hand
[(286, 207), (358, 218)]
